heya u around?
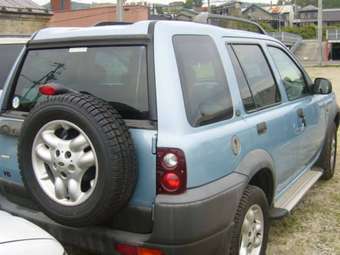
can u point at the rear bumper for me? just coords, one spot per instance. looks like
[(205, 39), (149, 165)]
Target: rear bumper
[(197, 222)]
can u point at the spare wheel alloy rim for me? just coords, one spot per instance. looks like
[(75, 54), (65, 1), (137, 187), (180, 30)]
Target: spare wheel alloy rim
[(65, 162)]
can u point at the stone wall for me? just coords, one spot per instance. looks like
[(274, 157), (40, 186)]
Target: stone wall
[(22, 23)]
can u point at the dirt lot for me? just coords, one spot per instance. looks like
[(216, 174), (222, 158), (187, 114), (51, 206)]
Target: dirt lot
[(314, 226)]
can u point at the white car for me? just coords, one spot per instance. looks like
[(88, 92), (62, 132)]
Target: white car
[(20, 237)]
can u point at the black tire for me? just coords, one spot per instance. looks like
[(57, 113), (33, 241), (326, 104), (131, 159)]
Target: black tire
[(115, 155), (251, 196), (325, 158)]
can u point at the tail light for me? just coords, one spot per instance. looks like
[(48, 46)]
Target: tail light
[(51, 89), (171, 171), (47, 90), (125, 249)]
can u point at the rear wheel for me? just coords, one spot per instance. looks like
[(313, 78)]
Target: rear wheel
[(250, 233)]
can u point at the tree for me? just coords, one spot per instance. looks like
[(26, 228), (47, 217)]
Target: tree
[(188, 4), (197, 3)]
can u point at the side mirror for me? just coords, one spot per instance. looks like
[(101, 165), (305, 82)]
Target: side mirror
[(322, 86)]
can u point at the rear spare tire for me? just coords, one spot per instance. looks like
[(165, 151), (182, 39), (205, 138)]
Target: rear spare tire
[(77, 159)]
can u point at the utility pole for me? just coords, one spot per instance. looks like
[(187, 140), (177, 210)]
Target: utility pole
[(320, 30), (119, 11), (209, 10)]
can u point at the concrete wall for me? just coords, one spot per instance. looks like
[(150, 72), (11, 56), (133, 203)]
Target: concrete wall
[(21, 23)]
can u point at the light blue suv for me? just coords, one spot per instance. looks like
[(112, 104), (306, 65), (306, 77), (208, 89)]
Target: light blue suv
[(161, 138)]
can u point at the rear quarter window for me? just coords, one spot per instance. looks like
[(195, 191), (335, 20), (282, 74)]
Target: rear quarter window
[(8, 55), (206, 94)]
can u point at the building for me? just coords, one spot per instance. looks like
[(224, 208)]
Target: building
[(309, 16), (186, 14), (258, 14), (64, 16), (61, 5), (22, 17), (284, 14), (230, 9)]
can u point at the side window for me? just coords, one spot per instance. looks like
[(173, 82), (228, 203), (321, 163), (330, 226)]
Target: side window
[(247, 97), (8, 55), (205, 89), (291, 76), (258, 75)]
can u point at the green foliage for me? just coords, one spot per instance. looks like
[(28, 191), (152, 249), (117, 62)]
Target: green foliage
[(307, 32), (159, 10), (188, 4), (266, 26), (197, 3)]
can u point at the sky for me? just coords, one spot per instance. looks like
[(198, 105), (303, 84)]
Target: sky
[(154, 1)]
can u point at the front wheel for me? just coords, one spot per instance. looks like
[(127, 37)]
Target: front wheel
[(327, 158), (250, 233)]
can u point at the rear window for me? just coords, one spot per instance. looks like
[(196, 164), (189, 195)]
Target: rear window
[(205, 89), (115, 74), (8, 55)]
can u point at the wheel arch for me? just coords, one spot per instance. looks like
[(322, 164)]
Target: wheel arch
[(336, 119), (258, 166)]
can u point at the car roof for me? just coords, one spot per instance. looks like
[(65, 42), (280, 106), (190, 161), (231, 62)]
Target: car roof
[(15, 229), (140, 28), (14, 39)]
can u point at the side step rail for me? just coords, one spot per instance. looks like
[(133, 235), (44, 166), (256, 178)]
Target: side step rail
[(297, 191)]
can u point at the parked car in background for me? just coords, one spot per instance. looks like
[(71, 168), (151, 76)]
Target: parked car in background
[(163, 138), (10, 47), (20, 237)]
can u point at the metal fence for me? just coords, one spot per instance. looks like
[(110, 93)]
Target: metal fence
[(293, 41)]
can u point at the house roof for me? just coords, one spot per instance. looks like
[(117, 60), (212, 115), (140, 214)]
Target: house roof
[(308, 8), (257, 7), (20, 4), (279, 9), (23, 7)]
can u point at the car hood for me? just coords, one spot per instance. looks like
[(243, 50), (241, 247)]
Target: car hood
[(17, 229)]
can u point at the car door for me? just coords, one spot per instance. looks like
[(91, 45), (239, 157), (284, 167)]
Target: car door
[(309, 115), (264, 108)]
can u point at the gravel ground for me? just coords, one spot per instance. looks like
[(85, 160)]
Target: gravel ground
[(314, 226)]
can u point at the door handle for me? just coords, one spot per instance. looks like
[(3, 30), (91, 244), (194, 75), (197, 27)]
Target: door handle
[(261, 128), (301, 115)]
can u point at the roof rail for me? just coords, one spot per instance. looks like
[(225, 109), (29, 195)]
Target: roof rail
[(112, 23), (229, 22)]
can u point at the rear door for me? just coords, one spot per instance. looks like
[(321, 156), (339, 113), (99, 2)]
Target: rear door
[(309, 115), (114, 73), (264, 107)]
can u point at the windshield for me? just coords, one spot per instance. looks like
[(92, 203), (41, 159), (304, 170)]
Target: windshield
[(115, 74)]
